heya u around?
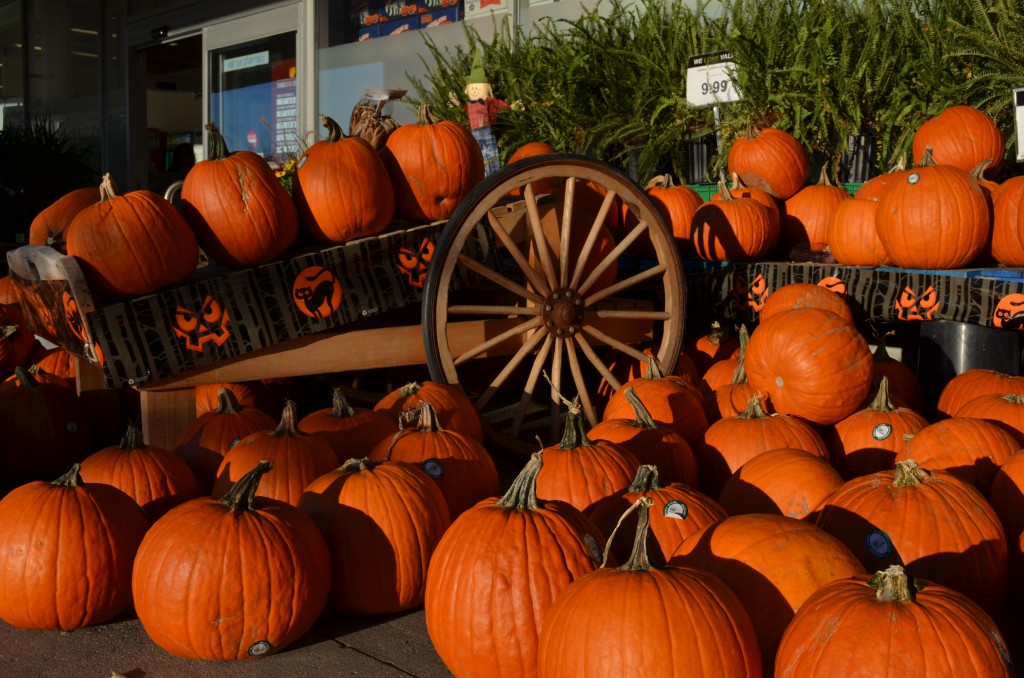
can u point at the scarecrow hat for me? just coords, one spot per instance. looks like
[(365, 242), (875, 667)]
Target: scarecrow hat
[(476, 73)]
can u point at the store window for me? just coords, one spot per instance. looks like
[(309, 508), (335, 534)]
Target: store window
[(12, 65), (358, 20)]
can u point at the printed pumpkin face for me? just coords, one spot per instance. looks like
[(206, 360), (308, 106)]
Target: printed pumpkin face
[(1009, 313), (913, 306), (72, 316), (413, 264), (198, 328), (758, 293), (317, 292), (833, 284)]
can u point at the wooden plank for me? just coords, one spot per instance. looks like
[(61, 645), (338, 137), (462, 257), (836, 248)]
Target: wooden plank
[(166, 415)]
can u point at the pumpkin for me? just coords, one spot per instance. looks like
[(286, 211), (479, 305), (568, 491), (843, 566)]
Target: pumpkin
[(732, 229), (1005, 409), (16, 344), (961, 136), (342, 190), (931, 522), (677, 511), (972, 450), (57, 362), (350, 430), (529, 150), (47, 228), (203, 444), (299, 458), (239, 211), (592, 628), (723, 371), (1006, 495), (714, 345), (649, 442), (811, 363), (455, 411), (433, 165), (381, 522), (784, 482), (193, 582), (1008, 222), (133, 244), (670, 400), (875, 187), (66, 551), (460, 465), (625, 367), (737, 189), (852, 236), (904, 386), (731, 442), (677, 205), (771, 160), (772, 563), (581, 471), (805, 215), (516, 552), (253, 394), (10, 303), (153, 477), (972, 383), (887, 624), (44, 428), (872, 438), (727, 398), (937, 205), (799, 295)]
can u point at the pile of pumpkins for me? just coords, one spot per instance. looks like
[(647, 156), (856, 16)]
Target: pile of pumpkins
[(802, 517), (236, 210)]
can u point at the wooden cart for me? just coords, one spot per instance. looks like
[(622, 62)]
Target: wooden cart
[(546, 268)]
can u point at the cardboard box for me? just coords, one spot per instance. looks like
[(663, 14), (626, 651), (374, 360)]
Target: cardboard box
[(482, 8), (404, 24), (220, 313)]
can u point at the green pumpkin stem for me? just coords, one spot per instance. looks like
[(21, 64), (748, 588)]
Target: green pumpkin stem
[(334, 131), (575, 434), (638, 561), (132, 439), (108, 189), (243, 493), (218, 147), (908, 474), (522, 494), (646, 480), (882, 402), (641, 415), (71, 479), (893, 583), (227, 401), (340, 407)]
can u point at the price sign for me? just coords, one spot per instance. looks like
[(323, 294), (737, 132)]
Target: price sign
[(1018, 104), (709, 79)]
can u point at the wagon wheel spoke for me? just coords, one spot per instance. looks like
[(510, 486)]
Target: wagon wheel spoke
[(577, 375), (588, 245), (494, 341), (476, 309), (531, 384), (498, 279), (566, 229), (513, 249), (630, 314), (512, 364), (555, 405), (592, 356), (539, 241), (613, 256), (615, 288), (616, 344)]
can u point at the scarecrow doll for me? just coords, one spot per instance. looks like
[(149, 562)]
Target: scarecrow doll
[(482, 110)]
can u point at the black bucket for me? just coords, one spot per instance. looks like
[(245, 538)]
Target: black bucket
[(857, 163), (698, 159)]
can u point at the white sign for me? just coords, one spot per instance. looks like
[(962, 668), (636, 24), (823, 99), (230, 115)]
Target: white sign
[(247, 61), (1018, 103), (709, 79)]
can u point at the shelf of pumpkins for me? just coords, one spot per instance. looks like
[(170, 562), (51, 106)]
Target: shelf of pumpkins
[(781, 482)]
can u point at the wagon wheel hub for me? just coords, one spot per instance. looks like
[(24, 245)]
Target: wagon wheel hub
[(563, 312)]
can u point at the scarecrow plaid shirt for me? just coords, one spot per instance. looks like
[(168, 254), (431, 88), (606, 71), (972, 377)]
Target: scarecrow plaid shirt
[(484, 112)]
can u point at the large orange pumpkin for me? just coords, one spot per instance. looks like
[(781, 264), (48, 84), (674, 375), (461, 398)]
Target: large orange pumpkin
[(342, 189), (677, 205), (771, 160), (454, 409), (799, 295), (193, 582), (806, 214), (671, 401), (433, 165), (133, 244), (971, 449), (47, 228), (528, 150), (517, 552), (887, 625), (852, 235), (352, 432), (961, 136), (66, 551), (1008, 223), (732, 229), (783, 482), (239, 211), (972, 383)]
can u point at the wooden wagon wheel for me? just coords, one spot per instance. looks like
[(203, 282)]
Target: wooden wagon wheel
[(545, 269)]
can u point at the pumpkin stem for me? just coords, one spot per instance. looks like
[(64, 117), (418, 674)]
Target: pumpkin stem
[(132, 439), (108, 189), (646, 479), (893, 583), (755, 410), (334, 131), (289, 416), (1013, 398), (227, 401), (340, 407), (425, 115), (908, 474), (412, 388), (638, 561), (660, 181), (739, 375), (426, 418), (218, 147), (723, 194), (882, 402), (522, 494), (353, 465), (899, 165), (24, 377), (641, 415), (575, 434), (927, 159), (978, 173), (8, 331), (653, 369), (71, 479), (823, 179), (243, 493)]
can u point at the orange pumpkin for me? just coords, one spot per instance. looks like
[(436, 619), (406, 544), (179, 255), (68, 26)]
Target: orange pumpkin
[(852, 235), (875, 187), (806, 214), (714, 345), (672, 401), (342, 189), (961, 136), (738, 189), (783, 482), (239, 211), (433, 165), (805, 295), (677, 205), (972, 383), (1005, 409), (1006, 494), (349, 430), (454, 409), (771, 160), (529, 150), (904, 386), (732, 229), (1007, 223), (971, 449), (47, 228)]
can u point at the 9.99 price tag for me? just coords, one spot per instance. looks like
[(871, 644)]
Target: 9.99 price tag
[(709, 79)]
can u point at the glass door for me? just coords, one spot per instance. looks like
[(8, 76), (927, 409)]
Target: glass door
[(254, 91)]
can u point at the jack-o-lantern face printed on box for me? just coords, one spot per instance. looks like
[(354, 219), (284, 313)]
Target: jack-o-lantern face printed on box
[(757, 293), (198, 328), (833, 284), (72, 316), (1009, 313), (913, 306), (413, 264), (317, 292)]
